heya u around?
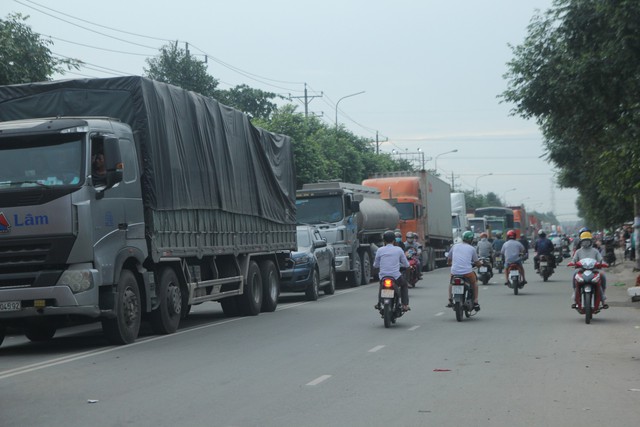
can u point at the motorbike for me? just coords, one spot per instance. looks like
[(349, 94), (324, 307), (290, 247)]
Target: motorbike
[(484, 271), (609, 250), (462, 293), (566, 250), (557, 252), (544, 268), (629, 251), (588, 287), (499, 264), (412, 275), (389, 304), (515, 280)]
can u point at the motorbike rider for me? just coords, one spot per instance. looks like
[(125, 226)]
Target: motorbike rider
[(462, 258), (543, 246), (525, 242), (411, 243), (587, 250), (498, 242), (398, 240), (512, 252), (485, 250), (388, 261)]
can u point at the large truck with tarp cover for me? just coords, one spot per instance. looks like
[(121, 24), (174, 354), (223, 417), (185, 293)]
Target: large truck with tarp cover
[(196, 205), (424, 203), (352, 218)]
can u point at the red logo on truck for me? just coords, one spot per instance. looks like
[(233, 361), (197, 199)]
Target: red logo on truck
[(4, 223)]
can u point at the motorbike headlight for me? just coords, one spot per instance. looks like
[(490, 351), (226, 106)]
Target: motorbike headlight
[(77, 280)]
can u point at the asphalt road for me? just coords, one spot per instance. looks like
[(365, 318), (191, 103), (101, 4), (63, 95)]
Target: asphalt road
[(526, 360)]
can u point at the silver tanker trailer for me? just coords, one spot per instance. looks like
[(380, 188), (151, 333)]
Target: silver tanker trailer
[(352, 218)]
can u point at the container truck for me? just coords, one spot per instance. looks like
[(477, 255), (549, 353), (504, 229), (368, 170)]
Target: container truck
[(424, 205), (459, 223), (197, 205), (352, 218)]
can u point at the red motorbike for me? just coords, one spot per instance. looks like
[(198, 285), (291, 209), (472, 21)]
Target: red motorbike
[(412, 275), (588, 287)]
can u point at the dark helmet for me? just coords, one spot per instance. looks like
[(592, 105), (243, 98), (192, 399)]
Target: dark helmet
[(389, 236), (511, 234)]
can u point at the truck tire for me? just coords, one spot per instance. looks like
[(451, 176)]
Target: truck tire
[(40, 330), (355, 276), (251, 300), (230, 306), (3, 333), (270, 285), (366, 267), (125, 326), (165, 319)]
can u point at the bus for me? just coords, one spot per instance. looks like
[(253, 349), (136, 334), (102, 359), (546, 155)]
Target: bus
[(499, 212)]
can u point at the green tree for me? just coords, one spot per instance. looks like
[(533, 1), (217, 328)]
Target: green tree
[(254, 102), (176, 66), (578, 75), (25, 56)]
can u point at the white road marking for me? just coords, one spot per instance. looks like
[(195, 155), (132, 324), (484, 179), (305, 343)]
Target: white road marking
[(377, 348), (320, 379), (413, 328), (440, 313)]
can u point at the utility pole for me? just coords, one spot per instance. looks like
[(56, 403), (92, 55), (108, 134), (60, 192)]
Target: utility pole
[(307, 99), (378, 143)]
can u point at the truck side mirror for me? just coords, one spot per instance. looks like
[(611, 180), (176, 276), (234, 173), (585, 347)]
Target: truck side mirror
[(113, 161), (355, 206)]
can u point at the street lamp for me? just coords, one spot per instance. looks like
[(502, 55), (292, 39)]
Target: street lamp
[(475, 191), (504, 195), (435, 166), (346, 96)]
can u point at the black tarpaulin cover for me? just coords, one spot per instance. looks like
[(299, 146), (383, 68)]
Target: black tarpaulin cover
[(198, 153)]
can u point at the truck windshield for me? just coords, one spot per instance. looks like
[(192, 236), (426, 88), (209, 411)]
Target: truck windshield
[(316, 210), (405, 210), (477, 226), (41, 161)]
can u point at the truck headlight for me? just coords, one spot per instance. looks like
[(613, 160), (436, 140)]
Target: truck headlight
[(77, 280)]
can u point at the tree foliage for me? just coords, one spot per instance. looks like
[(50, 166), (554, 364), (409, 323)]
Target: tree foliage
[(578, 74), (25, 56)]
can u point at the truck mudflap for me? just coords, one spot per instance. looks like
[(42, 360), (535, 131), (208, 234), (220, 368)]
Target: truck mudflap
[(45, 301)]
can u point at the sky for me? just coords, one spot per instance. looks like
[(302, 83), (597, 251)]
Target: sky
[(430, 72)]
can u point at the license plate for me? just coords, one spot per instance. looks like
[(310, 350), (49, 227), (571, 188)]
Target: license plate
[(543, 263), (483, 269), (10, 306), (386, 293), (514, 273), (457, 289)]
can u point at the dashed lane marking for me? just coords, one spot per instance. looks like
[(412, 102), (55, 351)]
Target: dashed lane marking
[(377, 348), (319, 380)]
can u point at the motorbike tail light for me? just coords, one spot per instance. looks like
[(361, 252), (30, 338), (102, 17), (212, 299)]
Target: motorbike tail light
[(457, 281), (387, 283)]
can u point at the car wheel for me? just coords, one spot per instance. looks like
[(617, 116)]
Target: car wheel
[(330, 289), (313, 288)]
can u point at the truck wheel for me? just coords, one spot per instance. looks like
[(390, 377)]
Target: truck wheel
[(270, 285), (366, 267), (355, 277), (330, 289), (251, 300), (166, 317), (3, 333), (230, 306), (40, 330), (124, 328)]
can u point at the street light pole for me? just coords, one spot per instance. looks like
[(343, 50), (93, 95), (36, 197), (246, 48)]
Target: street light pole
[(435, 165), (475, 191), (346, 96)]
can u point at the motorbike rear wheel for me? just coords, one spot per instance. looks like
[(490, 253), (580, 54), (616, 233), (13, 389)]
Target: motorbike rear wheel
[(516, 286), (387, 313), (588, 313), (545, 276), (458, 309)]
